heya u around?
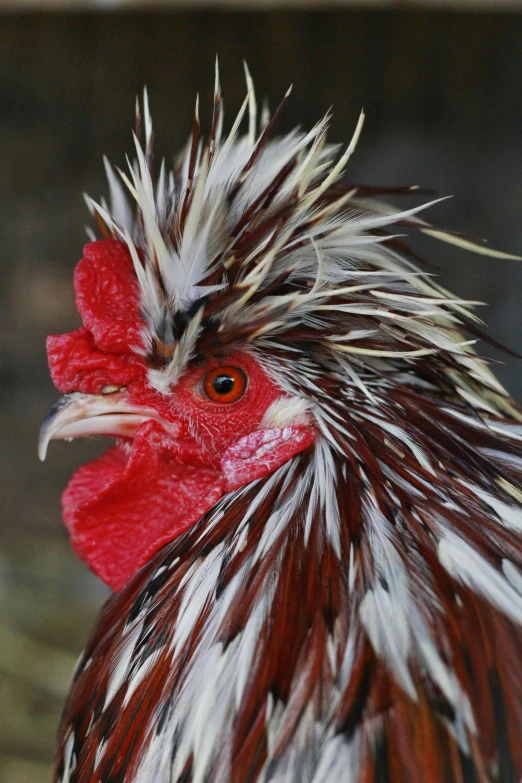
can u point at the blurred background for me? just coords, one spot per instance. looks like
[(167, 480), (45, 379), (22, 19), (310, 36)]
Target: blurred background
[(441, 84)]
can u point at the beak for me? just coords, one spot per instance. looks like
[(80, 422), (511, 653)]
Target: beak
[(79, 415)]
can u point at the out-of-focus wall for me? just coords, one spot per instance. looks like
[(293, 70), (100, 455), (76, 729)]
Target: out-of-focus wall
[(491, 6), (443, 98)]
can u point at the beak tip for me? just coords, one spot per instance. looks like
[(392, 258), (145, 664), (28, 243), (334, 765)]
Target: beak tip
[(43, 442)]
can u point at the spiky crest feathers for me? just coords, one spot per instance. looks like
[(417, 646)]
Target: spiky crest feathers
[(251, 238)]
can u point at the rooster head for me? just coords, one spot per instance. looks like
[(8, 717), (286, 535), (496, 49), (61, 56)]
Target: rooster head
[(179, 446), (230, 308)]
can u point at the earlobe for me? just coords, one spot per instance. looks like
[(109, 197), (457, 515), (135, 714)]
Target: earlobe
[(261, 452)]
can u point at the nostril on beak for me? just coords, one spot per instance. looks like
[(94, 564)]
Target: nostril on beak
[(111, 389)]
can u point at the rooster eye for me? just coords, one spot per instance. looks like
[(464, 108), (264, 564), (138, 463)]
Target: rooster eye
[(224, 384)]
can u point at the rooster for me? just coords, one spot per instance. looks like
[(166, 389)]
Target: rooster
[(311, 517)]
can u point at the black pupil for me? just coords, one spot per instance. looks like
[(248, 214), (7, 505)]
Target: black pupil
[(223, 384)]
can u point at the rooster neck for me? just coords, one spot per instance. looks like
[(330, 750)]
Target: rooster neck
[(326, 612)]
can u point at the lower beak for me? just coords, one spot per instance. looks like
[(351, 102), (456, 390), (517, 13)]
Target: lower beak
[(79, 415)]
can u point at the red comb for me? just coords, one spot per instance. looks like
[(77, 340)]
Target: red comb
[(107, 296), (104, 350)]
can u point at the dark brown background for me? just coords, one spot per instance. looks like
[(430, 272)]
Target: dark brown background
[(443, 97)]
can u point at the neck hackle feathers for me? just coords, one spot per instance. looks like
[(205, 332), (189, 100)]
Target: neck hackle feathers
[(356, 615)]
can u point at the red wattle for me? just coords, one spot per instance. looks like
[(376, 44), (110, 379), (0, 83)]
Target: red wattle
[(121, 510)]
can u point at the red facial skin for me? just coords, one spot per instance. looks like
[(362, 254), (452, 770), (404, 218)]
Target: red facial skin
[(121, 508)]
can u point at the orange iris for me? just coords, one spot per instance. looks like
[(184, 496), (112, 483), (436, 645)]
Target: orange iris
[(225, 384)]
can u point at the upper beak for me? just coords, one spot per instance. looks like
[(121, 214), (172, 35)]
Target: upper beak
[(78, 415)]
